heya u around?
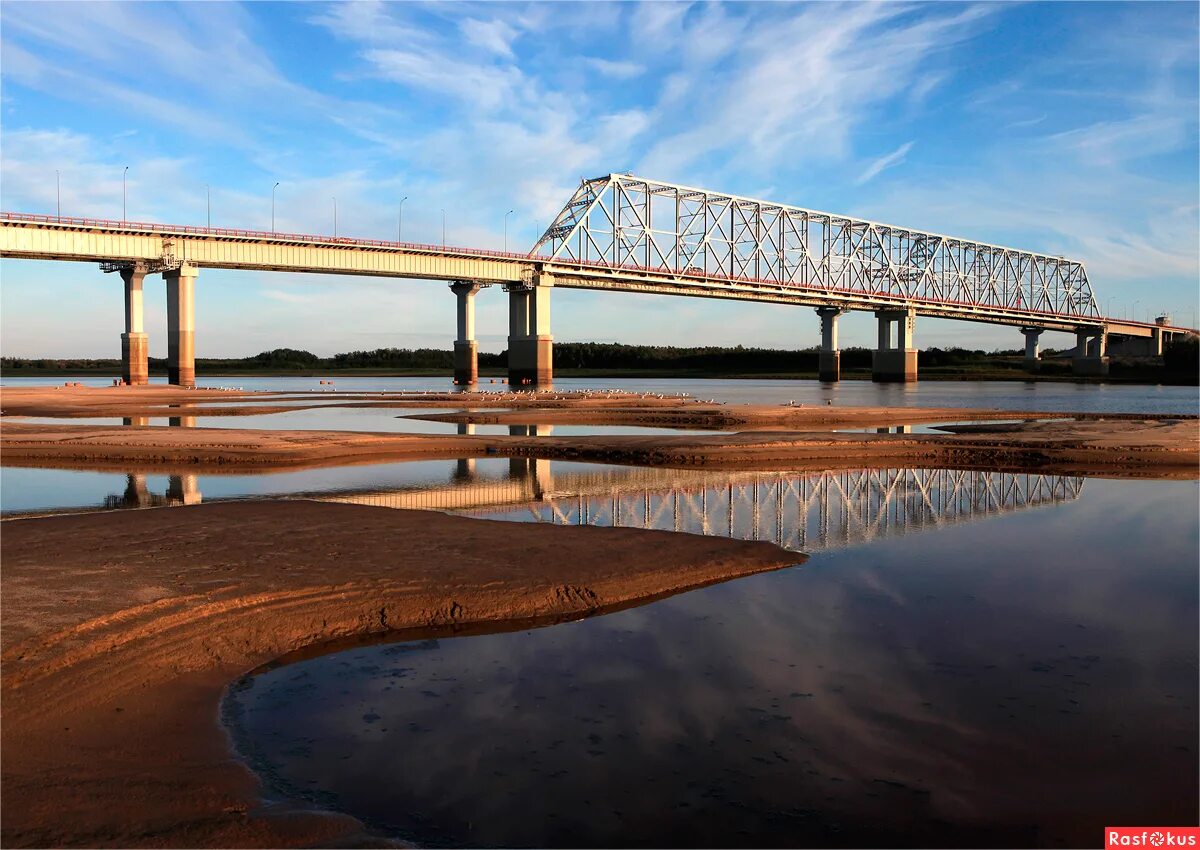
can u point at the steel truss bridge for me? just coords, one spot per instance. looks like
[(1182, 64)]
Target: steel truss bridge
[(695, 237), (626, 233), (802, 512)]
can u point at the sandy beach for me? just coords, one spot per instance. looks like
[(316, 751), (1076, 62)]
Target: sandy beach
[(120, 636)]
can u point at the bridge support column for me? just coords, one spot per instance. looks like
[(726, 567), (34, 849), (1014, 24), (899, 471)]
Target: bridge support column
[(135, 344), (829, 360), (466, 351), (1091, 352), (895, 360), (1033, 357), (181, 325), (530, 344)]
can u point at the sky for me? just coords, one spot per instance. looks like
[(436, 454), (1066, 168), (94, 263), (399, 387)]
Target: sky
[(1063, 128)]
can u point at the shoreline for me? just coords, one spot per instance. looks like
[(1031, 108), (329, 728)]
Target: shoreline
[(113, 679), (1167, 448), (857, 375)]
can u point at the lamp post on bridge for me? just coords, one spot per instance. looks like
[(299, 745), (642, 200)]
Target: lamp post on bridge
[(506, 215), (273, 188), (335, 218), (58, 191), (124, 174), (1134, 316), (443, 230), (400, 221), (208, 204)]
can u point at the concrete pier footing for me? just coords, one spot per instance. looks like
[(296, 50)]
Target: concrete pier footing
[(829, 361), (1091, 353), (895, 358), (135, 344), (135, 358), (530, 344), (181, 325)]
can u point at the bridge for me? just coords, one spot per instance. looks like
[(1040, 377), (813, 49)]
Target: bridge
[(801, 512), (626, 233)]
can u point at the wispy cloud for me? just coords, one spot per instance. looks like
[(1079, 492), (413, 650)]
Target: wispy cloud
[(618, 70), (884, 162)]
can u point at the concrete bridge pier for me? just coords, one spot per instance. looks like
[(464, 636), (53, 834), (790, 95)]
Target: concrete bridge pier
[(466, 350), (895, 360), (829, 361), (181, 325), (135, 345), (1091, 352), (1033, 356), (530, 344)]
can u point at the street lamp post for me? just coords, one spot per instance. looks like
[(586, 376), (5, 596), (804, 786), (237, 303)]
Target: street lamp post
[(335, 218), (506, 215), (400, 221), (1134, 316), (123, 193), (208, 203), (273, 188), (58, 191), (443, 230)]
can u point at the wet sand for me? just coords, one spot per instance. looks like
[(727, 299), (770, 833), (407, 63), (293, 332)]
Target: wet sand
[(120, 634), (799, 437), (1168, 447)]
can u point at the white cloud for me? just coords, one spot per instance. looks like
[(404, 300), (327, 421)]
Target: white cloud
[(494, 36), (616, 69), (884, 162), (797, 86)]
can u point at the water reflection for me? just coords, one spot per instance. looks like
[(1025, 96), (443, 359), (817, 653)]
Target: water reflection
[(798, 511), (803, 512), (181, 490), (1020, 682)]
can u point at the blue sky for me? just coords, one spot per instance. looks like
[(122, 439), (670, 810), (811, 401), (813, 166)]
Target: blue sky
[(1068, 128)]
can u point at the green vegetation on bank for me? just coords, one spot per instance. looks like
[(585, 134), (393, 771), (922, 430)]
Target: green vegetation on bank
[(1179, 364)]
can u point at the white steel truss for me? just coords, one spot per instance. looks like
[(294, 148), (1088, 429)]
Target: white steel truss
[(801, 512), (623, 222)]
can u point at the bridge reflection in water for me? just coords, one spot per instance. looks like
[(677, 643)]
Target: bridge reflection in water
[(798, 511)]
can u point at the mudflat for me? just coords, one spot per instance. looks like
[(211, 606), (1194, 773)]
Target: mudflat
[(1166, 447), (765, 434), (120, 634)]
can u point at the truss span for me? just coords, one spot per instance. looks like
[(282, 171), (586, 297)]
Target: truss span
[(629, 224)]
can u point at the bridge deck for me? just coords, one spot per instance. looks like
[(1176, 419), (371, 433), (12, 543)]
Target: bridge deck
[(161, 246)]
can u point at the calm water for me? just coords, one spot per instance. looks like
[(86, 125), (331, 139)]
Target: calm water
[(1091, 398), (1021, 672)]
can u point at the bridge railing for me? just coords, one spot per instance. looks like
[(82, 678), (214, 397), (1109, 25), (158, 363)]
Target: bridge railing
[(233, 233)]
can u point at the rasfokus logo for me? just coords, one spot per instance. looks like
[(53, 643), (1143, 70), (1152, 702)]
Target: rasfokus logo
[(1151, 836)]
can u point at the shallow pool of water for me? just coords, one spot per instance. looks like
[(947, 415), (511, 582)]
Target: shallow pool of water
[(1017, 677), (1006, 395)]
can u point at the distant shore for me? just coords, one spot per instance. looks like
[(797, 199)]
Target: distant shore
[(1144, 377)]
